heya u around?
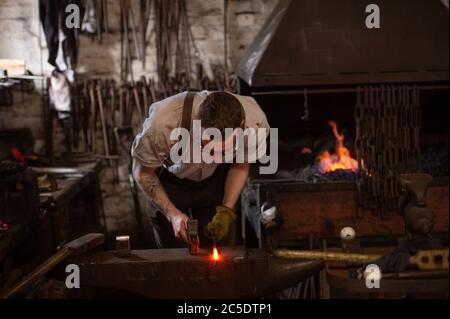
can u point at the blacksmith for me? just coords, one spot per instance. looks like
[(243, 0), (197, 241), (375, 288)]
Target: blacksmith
[(204, 191)]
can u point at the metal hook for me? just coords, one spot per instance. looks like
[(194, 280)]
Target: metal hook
[(305, 116)]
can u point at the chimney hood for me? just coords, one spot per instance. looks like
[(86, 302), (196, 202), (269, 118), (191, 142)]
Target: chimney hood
[(326, 42)]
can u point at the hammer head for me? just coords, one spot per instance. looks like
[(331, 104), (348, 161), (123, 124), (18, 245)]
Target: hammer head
[(194, 241), (85, 243)]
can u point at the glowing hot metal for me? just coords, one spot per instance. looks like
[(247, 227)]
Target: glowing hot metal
[(215, 256)]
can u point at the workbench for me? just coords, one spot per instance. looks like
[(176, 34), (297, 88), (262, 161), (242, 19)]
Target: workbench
[(76, 204), (71, 210)]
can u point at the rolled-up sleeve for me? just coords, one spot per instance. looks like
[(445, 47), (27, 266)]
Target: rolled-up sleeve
[(152, 145), (256, 142), (147, 148)]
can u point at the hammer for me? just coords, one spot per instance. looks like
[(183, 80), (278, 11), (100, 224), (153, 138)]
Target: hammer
[(194, 241), (76, 247), (192, 230)]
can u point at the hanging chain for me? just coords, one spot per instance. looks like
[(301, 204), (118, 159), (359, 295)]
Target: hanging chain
[(388, 122)]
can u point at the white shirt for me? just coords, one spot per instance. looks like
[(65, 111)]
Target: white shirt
[(151, 147)]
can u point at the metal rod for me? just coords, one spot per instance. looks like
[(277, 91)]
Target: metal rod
[(142, 29), (326, 256), (23, 77), (225, 36), (347, 90), (103, 120), (129, 66), (105, 18), (134, 31)]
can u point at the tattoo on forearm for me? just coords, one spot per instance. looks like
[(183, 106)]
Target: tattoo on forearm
[(151, 185)]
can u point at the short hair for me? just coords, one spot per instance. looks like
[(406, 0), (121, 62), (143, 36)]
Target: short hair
[(221, 110)]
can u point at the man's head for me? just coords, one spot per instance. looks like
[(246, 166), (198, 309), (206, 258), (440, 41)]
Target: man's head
[(221, 110)]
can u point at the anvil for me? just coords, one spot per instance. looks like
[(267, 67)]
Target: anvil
[(174, 273)]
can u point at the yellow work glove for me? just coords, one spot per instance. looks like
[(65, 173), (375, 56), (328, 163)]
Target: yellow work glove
[(219, 226)]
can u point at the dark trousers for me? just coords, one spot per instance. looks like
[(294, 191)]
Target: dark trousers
[(199, 198)]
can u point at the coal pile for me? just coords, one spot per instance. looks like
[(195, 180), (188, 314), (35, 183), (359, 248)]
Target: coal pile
[(313, 174), (341, 175)]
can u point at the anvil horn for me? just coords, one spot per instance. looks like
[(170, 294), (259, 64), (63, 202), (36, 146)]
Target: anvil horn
[(174, 273)]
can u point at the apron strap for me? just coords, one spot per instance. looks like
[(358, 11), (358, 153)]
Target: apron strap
[(186, 118), (187, 110)]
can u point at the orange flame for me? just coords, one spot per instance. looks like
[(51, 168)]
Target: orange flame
[(341, 159), (215, 256)]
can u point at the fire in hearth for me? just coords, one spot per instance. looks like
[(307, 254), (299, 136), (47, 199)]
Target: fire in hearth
[(341, 159)]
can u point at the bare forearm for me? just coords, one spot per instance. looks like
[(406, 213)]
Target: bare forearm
[(150, 184), (235, 182)]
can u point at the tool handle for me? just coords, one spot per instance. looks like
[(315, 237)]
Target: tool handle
[(37, 273)]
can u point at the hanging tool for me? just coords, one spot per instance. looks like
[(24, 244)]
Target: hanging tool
[(225, 40), (121, 121), (105, 18), (103, 120), (126, 42), (137, 102), (144, 90), (143, 21), (92, 116), (128, 106), (134, 31), (99, 11), (305, 116), (85, 104)]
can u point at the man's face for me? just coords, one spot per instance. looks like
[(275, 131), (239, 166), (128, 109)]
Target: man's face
[(227, 144), (224, 145)]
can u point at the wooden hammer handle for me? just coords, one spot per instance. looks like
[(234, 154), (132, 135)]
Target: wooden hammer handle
[(76, 247)]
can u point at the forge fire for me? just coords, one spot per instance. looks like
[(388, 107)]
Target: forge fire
[(341, 158), (192, 150)]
